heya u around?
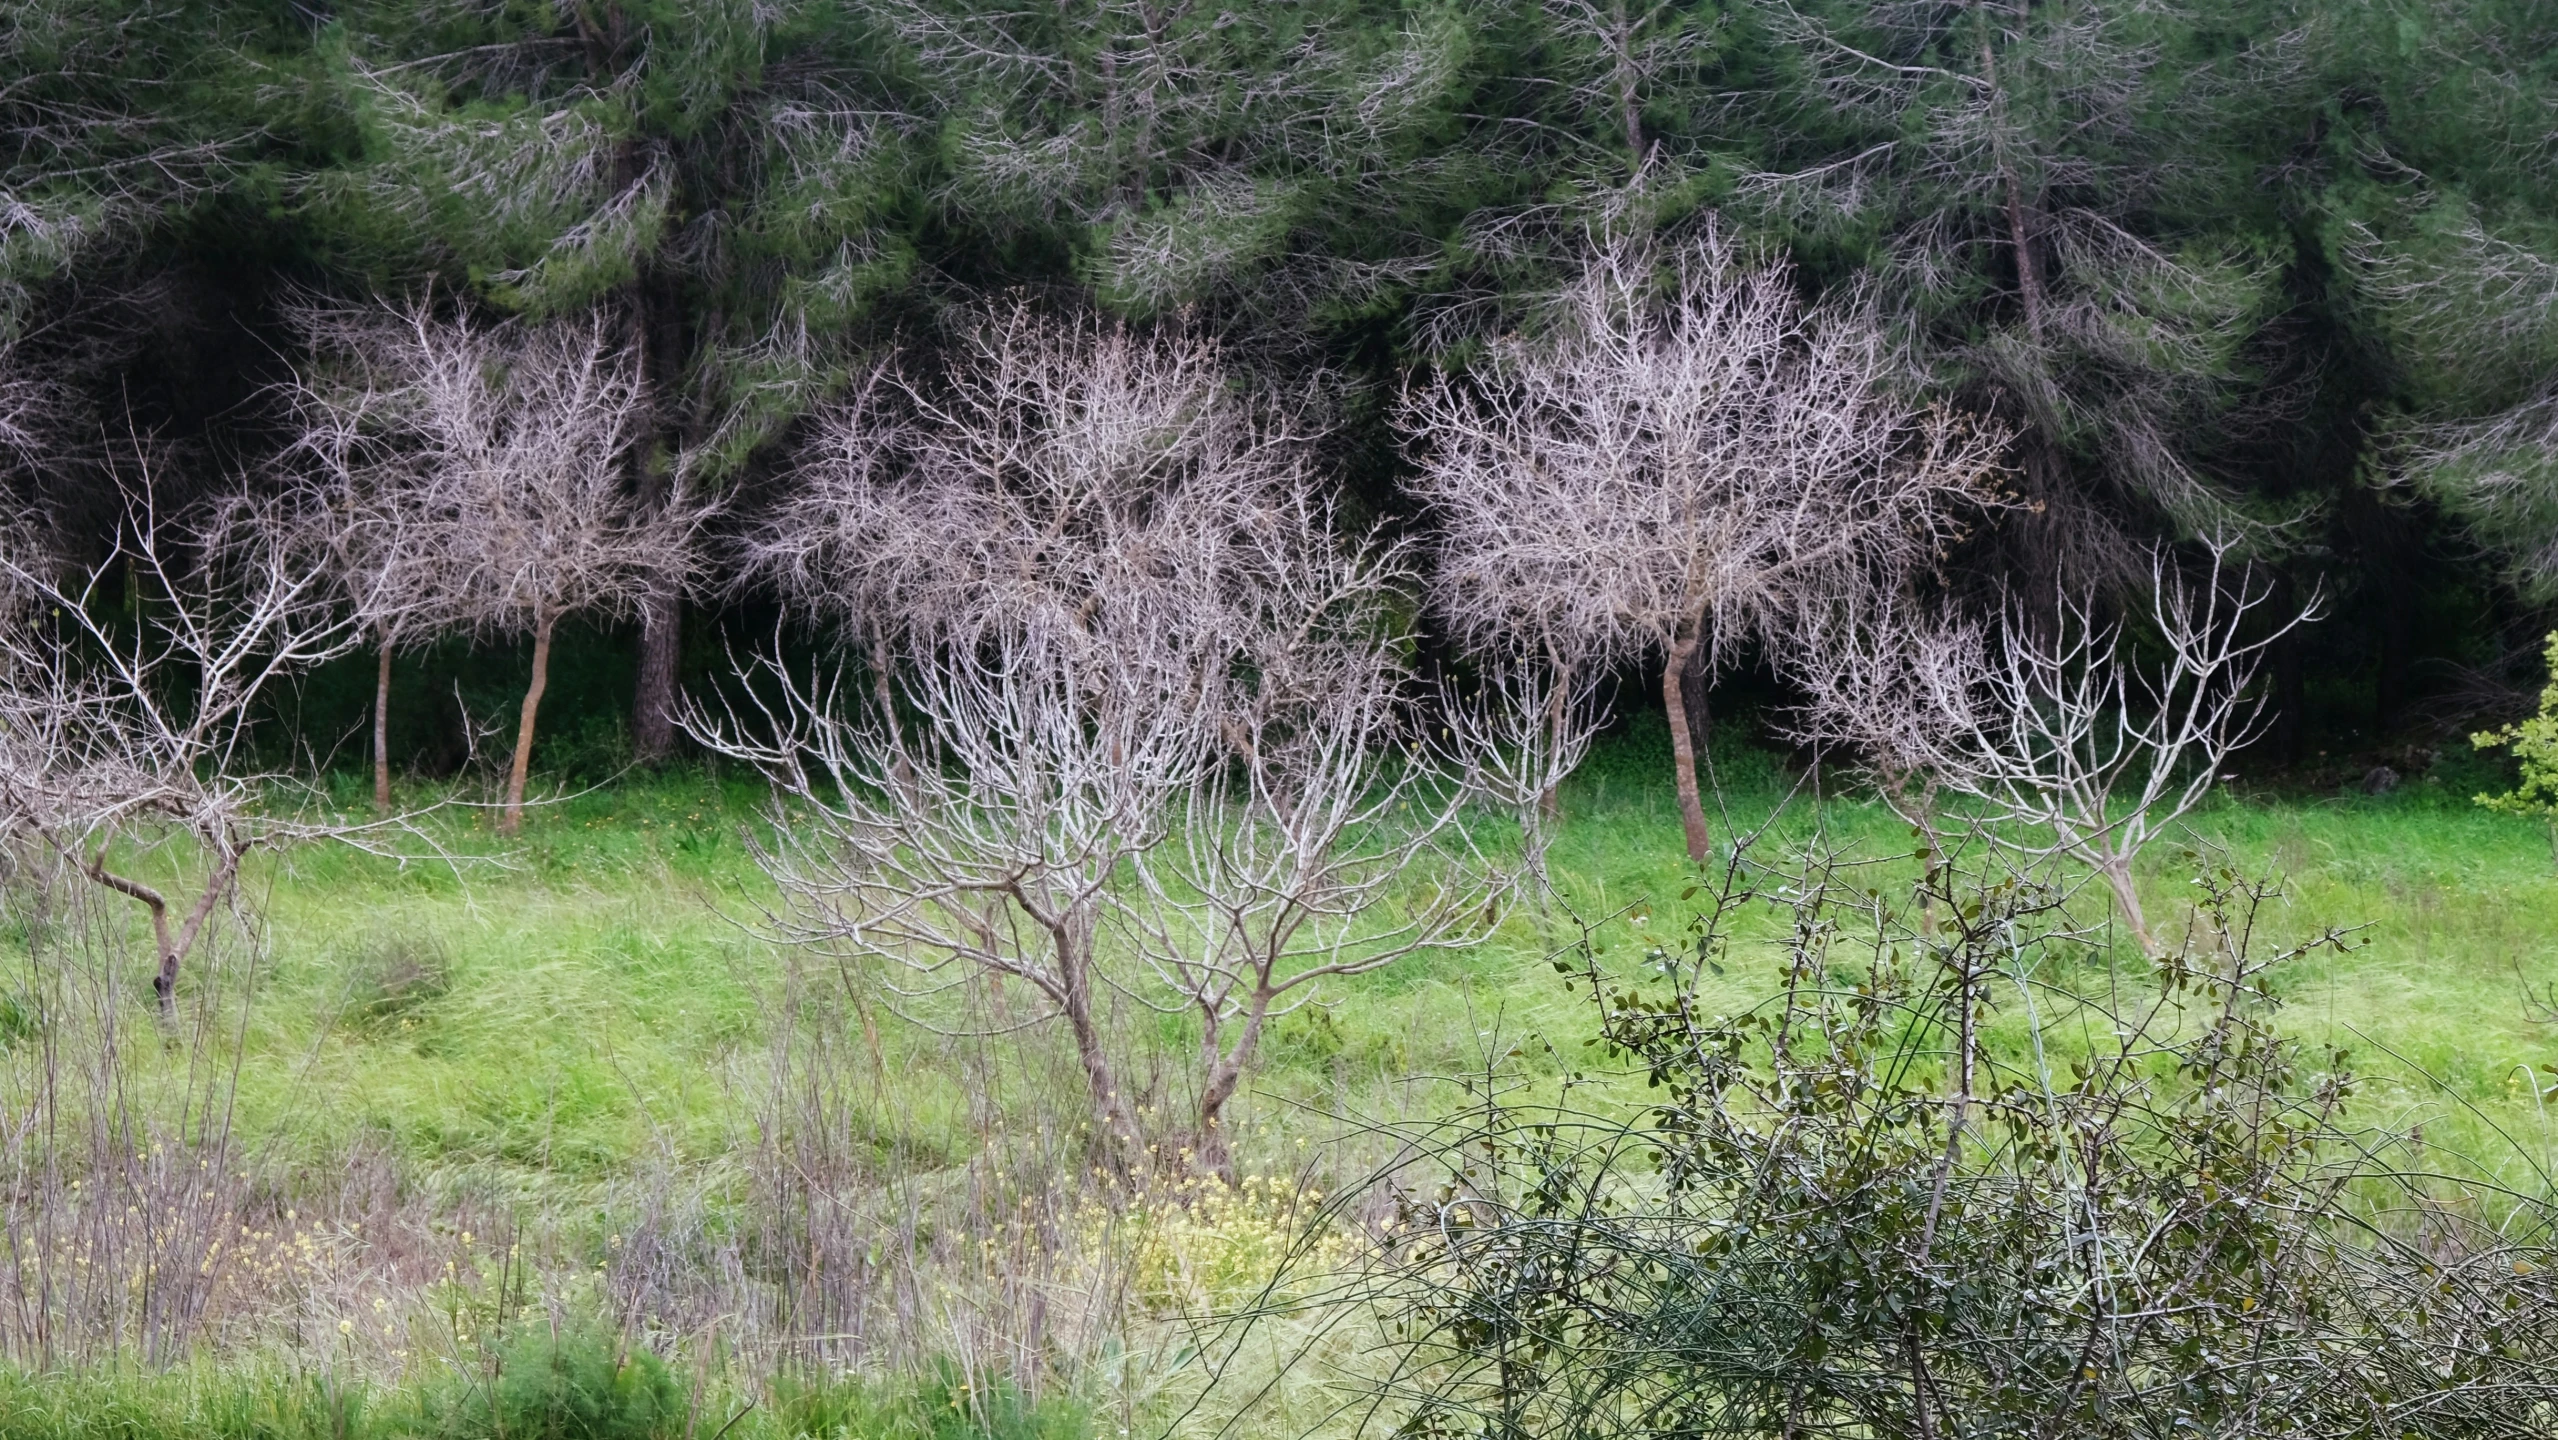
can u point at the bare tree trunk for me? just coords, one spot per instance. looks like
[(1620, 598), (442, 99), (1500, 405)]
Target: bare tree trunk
[(2029, 285), (1683, 750), (1116, 1139), (382, 732), (172, 949), (1210, 1153), (511, 819), (1628, 88), (2118, 878), (653, 707)]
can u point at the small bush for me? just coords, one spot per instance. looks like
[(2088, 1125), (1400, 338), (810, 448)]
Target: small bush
[(2534, 743), (396, 979), (576, 1385), (1929, 1188)]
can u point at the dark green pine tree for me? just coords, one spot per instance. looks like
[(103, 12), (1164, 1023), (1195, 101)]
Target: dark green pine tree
[(121, 122), (1286, 166), (2440, 202), (2062, 200)]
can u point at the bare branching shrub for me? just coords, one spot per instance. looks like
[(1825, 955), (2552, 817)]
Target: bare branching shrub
[(141, 732), (1065, 467), (1686, 465), (492, 457), (121, 1178), (1160, 747), (2063, 744), (1849, 1211)]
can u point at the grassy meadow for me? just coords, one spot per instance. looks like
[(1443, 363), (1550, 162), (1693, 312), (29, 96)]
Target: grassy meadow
[(548, 1093)]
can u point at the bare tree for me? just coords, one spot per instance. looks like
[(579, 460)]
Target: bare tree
[(364, 506), (506, 510), (1519, 732), (1064, 468), (1320, 813), (1680, 469), (142, 732), (1122, 620), (2061, 743)]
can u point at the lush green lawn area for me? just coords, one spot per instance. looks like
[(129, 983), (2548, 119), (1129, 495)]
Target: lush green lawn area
[(552, 1032), (610, 985)]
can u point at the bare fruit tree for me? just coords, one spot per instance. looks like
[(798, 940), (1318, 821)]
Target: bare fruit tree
[(2063, 745), (122, 738), (1688, 463), (1065, 468), (1157, 745), (511, 513), (1323, 843), (364, 505)]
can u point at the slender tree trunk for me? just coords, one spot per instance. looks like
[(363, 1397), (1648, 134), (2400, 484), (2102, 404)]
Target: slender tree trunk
[(1683, 749), (511, 819), (1628, 87), (1696, 691), (2020, 240), (172, 948), (1118, 1142), (1115, 1134), (382, 731), (653, 707), (2118, 878), (1210, 1153), (2029, 284)]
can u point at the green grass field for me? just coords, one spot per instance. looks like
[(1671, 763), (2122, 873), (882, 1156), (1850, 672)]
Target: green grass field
[(572, 1029)]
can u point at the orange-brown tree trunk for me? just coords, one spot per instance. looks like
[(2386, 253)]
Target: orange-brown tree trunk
[(1683, 750), (511, 819), (382, 732)]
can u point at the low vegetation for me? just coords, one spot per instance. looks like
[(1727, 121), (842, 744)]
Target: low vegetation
[(587, 1095)]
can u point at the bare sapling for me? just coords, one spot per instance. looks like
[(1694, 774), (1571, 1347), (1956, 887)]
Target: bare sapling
[(1520, 730), (514, 439), (363, 503), (2061, 742), (1326, 842), (986, 838), (1688, 463), (128, 735)]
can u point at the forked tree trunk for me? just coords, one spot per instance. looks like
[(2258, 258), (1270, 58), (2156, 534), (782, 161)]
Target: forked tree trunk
[(1210, 1153), (653, 706), (511, 819), (1683, 749), (382, 732), (2118, 878), (172, 948)]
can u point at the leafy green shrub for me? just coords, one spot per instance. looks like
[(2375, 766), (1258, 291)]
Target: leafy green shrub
[(2534, 743), (1935, 1188), (575, 1385), (397, 978)]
